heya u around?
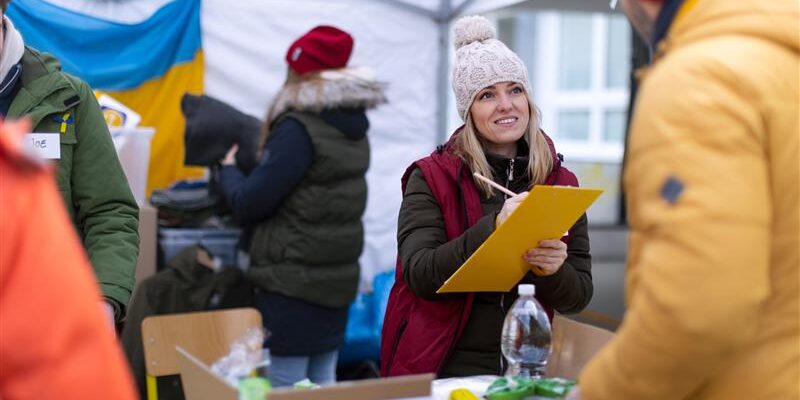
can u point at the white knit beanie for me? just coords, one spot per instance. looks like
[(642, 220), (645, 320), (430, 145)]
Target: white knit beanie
[(482, 61)]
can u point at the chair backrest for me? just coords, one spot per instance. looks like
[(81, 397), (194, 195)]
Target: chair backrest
[(573, 345), (207, 335)]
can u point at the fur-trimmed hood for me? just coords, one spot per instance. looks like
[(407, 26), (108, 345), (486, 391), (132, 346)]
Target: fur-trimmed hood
[(350, 88)]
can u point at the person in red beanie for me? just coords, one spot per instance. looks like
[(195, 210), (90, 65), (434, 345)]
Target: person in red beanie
[(301, 206), (44, 271)]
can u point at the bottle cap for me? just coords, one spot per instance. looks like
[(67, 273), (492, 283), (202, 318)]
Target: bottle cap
[(526, 290)]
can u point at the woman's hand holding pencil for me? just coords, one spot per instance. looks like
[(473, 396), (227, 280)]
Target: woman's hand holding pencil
[(511, 202), (509, 206)]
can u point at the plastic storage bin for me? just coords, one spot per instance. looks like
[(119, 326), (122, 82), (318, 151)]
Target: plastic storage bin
[(220, 242)]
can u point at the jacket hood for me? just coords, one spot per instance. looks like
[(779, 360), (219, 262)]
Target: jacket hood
[(772, 20), (37, 64), (330, 90), (46, 60)]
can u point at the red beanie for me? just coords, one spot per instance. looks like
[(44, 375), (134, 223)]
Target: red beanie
[(323, 47)]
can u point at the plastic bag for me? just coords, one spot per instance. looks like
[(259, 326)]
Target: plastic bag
[(245, 355)]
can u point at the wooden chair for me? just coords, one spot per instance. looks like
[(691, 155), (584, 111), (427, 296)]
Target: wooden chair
[(206, 334), (573, 345)]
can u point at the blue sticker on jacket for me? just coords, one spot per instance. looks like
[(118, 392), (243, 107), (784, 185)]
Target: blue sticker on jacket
[(60, 119), (671, 190)]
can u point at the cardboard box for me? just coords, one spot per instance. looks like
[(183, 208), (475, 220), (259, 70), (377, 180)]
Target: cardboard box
[(199, 383), (148, 225)]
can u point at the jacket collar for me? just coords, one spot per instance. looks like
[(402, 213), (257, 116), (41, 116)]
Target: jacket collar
[(448, 149), (668, 12), (9, 83), (667, 23), (346, 89)]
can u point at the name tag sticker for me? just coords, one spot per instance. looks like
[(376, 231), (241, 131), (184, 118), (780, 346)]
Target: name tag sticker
[(44, 145)]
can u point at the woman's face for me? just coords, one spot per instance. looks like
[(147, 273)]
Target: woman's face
[(501, 115)]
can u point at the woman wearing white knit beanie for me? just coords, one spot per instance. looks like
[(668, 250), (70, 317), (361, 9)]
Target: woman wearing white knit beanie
[(447, 214)]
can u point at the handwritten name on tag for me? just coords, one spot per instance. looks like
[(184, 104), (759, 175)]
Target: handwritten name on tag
[(44, 145)]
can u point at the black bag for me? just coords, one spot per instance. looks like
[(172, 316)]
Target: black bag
[(212, 127)]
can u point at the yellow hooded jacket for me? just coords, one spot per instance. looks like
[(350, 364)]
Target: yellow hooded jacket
[(712, 181)]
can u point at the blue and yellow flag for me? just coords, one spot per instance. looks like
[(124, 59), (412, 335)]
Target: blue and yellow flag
[(146, 65)]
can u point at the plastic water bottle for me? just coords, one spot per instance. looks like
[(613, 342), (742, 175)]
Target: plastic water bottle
[(525, 341)]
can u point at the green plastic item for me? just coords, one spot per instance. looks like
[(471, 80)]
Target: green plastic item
[(305, 384), (513, 388), (554, 387), (254, 388), (519, 388)]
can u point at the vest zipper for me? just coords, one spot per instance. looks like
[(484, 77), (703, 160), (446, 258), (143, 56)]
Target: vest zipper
[(509, 174), (509, 178)]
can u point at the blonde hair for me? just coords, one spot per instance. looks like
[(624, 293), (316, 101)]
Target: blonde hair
[(289, 90), (470, 148)]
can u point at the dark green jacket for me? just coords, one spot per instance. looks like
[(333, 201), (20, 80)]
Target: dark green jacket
[(309, 248), (90, 177)]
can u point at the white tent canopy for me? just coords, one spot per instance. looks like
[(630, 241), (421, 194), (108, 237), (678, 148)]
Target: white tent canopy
[(405, 42)]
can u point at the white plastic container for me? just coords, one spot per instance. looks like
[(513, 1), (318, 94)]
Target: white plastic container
[(133, 150)]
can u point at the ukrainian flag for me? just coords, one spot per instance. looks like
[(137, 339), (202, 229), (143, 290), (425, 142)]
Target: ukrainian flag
[(147, 66)]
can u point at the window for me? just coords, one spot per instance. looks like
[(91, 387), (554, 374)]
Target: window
[(618, 55), (573, 125), (614, 129), (575, 55)]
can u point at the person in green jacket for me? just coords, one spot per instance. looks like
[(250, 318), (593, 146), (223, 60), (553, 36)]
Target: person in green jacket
[(89, 175)]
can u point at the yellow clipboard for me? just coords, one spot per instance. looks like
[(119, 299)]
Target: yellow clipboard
[(546, 213)]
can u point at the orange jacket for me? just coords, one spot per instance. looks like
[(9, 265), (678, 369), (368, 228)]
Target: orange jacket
[(54, 340)]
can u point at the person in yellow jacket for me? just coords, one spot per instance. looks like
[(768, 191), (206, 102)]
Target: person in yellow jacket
[(712, 176)]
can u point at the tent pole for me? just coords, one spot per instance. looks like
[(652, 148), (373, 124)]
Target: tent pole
[(443, 88), (443, 17)]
